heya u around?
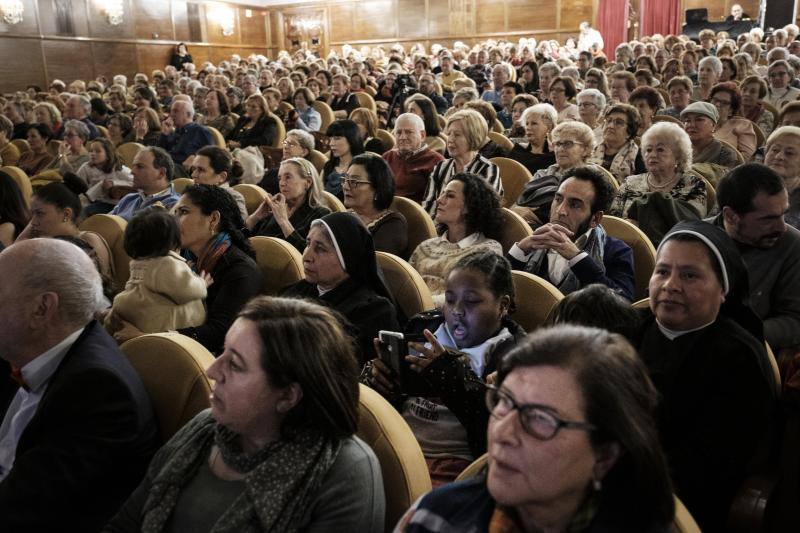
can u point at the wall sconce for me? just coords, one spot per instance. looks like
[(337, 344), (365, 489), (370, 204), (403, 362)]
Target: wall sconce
[(12, 11), (225, 17), (114, 12)]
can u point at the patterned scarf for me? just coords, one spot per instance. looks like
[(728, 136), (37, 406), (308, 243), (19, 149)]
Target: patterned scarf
[(755, 113), (624, 162), (208, 258), (281, 479), (594, 246)]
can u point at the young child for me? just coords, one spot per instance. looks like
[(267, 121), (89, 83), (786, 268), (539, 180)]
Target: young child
[(106, 178), (162, 293)]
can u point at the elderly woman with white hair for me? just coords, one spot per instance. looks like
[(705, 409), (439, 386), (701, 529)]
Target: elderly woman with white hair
[(667, 152), (780, 75), (782, 154), (535, 154), (573, 144), (591, 105), (708, 72)]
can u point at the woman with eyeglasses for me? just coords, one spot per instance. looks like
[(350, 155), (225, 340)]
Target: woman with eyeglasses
[(289, 213), (731, 126), (573, 143), (618, 152), (368, 192), (442, 400), (296, 143), (572, 445)]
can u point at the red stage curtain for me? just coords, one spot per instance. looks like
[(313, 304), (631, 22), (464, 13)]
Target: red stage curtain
[(661, 16), (612, 22)]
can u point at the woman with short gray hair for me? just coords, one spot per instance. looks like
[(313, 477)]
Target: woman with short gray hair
[(591, 105), (708, 72), (72, 153)]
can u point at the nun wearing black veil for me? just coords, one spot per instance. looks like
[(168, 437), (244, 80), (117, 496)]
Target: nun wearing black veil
[(705, 351), (341, 272)]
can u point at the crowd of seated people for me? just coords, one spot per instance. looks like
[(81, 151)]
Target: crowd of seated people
[(590, 421)]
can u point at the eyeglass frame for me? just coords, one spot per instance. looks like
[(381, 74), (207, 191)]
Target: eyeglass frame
[(346, 179), (560, 423), (556, 144)]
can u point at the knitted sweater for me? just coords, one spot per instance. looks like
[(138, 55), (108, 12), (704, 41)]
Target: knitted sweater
[(436, 257), (412, 171)]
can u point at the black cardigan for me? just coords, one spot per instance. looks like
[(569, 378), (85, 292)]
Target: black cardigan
[(262, 134), (300, 219), (237, 279)]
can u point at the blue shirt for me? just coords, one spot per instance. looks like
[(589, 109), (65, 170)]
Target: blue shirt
[(136, 201), (185, 141), (493, 97), (309, 119)]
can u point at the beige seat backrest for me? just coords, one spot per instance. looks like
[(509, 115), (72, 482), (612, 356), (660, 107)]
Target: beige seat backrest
[(53, 146), (535, 299), (739, 157), (497, 127), (420, 223), (325, 113), (776, 372), (772, 109), (365, 100), (761, 139), (610, 178), (103, 131), (501, 140), (683, 523), (112, 229), (514, 177), (127, 151), (173, 369), (407, 286), (474, 468), (436, 144), (280, 263), (387, 138), (441, 122), (514, 229), (22, 145), (253, 195), (44, 177), (285, 107), (281, 132), (333, 203), (181, 184), (318, 159), (22, 181), (405, 473), (219, 140), (644, 253), (369, 89)]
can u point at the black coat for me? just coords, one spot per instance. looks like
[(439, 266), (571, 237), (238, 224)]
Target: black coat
[(237, 279), (366, 311), (263, 133), (87, 446)]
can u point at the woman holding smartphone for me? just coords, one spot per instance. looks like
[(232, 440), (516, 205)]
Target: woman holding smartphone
[(447, 413)]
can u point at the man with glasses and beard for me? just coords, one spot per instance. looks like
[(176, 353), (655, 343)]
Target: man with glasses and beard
[(573, 250), (753, 201)]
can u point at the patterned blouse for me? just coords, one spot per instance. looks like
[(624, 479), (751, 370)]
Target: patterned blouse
[(689, 188)]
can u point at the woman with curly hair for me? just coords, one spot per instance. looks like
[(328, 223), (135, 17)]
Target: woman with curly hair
[(468, 217)]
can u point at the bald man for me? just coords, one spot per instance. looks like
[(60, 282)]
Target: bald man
[(411, 160), (77, 428)]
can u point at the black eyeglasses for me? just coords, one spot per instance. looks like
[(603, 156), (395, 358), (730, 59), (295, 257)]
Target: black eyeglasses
[(535, 419)]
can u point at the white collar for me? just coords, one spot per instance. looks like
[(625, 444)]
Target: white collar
[(469, 240), (672, 334), (38, 371)]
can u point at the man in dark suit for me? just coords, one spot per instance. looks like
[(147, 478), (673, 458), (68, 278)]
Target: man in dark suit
[(77, 429), (573, 250)]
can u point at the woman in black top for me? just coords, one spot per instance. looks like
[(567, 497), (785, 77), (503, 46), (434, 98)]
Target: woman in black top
[(535, 154), (180, 56), (256, 127), (289, 213)]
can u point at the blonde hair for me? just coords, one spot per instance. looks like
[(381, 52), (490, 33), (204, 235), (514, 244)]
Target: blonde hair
[(577, 132), (369, 118), (781, 132), (474, 124), (308, 170), (55, 114)]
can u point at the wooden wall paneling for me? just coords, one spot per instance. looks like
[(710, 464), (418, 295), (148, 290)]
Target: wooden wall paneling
[(200, 54), (68, 60), (101, 28), (573, 12), (412, 17), (153, 20), (180, 21), (27, 26), (376, 20), (533, 14), (116, 58), (440, 20), (490, 16), (22, 64), (214, 14), (341, 22), (150, 57), (253, 28), (63, 17)]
